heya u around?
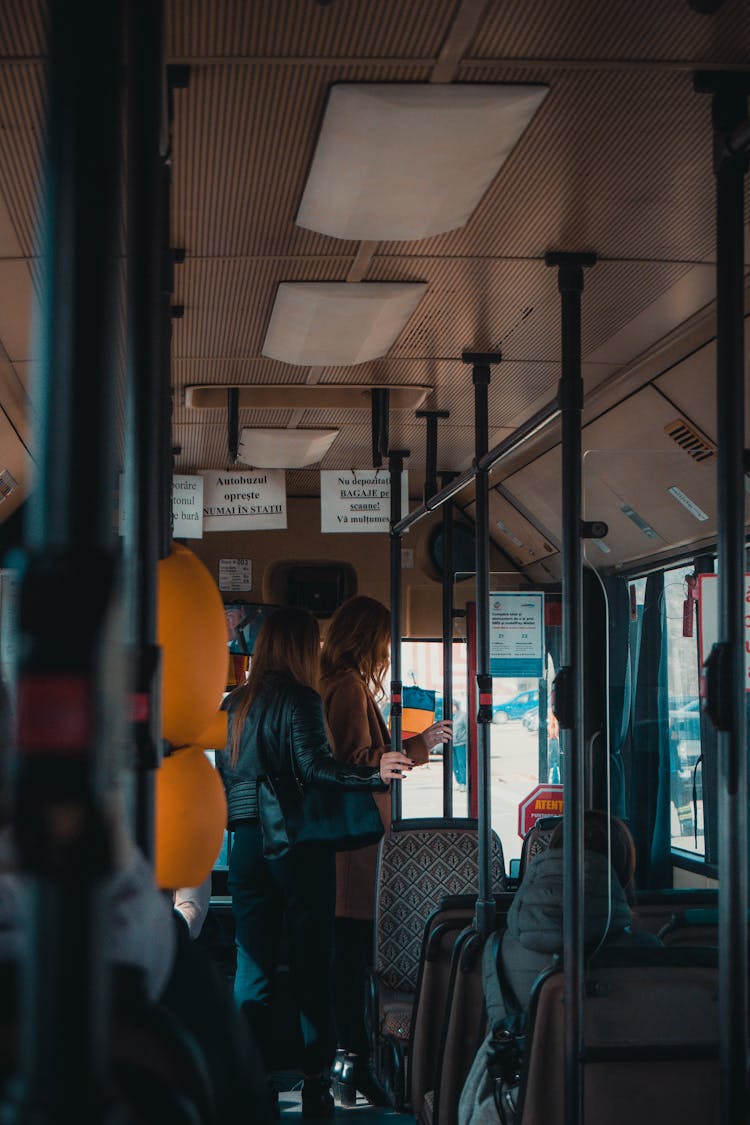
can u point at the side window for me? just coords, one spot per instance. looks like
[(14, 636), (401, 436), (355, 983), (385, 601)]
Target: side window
[(685, 766)]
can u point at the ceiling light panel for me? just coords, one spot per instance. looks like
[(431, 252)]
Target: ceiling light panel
[(409, 160), (322, 323), (284, 449)]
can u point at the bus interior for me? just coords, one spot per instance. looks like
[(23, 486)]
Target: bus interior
[(441, 302)]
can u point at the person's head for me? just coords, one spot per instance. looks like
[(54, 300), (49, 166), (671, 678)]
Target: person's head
[(288, 642), (359, 637), (597, 826)]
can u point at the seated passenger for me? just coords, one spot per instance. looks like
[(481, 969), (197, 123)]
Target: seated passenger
[(140, 929), (535, 920)]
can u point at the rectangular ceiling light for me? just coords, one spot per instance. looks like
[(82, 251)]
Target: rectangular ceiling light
[(333, 323), (410, 160), (284, 449)]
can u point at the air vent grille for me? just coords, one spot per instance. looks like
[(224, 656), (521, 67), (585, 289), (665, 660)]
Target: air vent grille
[(691, 440)]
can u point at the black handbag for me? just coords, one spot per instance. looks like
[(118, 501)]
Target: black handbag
[(292, 813)]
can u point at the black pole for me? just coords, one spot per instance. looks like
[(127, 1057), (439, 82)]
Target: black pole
[(396, 466), (164, 477), (447, 530), (380, 397), (485, 908), (70, 702), (145, 68), (570, 682), (726, 700), (430, 460), (233, 423)]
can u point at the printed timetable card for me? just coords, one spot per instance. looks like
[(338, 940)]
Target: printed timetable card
[(517, 633)]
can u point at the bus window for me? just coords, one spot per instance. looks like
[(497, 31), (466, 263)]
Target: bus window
[(683, 717)]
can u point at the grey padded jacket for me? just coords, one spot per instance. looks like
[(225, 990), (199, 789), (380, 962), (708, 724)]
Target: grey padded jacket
[(535, 919)]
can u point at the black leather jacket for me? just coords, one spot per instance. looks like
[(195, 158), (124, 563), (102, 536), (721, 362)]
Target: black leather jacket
[(284, 738)]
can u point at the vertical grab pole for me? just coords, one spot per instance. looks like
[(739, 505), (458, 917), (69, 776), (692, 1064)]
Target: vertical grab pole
[(430, 488), (145, 326), (69, 693), (447, 528), (569, 682), (485, 908), (726, 663), (396, 465)]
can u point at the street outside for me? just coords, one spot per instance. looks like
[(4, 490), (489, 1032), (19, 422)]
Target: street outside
[(514, 774)]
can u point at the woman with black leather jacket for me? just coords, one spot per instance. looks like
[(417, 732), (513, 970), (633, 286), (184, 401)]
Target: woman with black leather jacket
[(270, 871)]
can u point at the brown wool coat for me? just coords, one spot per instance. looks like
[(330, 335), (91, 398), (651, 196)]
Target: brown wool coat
[(359, 734)]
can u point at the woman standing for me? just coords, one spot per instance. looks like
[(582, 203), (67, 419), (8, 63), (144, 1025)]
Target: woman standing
[(355, 660), (277, 747)]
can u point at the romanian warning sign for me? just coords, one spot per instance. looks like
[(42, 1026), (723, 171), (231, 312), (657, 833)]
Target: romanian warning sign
[(357, 500), (544, 800)]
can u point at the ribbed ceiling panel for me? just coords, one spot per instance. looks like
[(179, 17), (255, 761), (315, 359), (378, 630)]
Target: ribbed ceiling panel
[(21, 101), (23, 28), (228, 302), (590, 29), (186, 416), (244, 141), (633, 179), (299, 28)]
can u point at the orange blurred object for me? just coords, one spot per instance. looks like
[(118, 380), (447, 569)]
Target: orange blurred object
[(191, 815), (192, 632), (214, 737)]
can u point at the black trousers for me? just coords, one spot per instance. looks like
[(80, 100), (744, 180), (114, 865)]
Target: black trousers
[(354, 955), (302, 886)]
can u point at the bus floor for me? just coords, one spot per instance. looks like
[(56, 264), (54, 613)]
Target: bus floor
[(290, 1106)]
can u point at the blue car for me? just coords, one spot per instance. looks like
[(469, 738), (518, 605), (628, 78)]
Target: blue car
[(517, 707)]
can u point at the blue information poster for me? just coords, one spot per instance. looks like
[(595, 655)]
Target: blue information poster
[(517, 634)]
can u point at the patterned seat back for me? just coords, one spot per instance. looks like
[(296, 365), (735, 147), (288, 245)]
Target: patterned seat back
[(537, 840), (419, 863)]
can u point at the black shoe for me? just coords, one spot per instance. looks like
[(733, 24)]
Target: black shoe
[(336, 1069), (317, 1100), (355, 1076)]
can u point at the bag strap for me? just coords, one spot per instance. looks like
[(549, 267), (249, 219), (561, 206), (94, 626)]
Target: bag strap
[(502, 1004), (493, 996), (508, 1025)]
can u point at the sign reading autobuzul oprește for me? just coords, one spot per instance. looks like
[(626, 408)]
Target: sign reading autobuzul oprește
[(253, 500), (356, 500)]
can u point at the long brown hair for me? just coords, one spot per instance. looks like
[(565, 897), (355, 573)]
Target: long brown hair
[(288, 641), (359, 637)]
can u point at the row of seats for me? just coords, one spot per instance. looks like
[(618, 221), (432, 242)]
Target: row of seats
[(426, 1008)]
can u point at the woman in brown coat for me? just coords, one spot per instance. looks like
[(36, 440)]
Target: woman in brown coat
[(355, 659)]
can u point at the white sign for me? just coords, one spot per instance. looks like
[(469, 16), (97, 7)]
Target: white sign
[(187, 507), (708, 618), (235, 574), (517, 633), (254, 500), (355, 500)]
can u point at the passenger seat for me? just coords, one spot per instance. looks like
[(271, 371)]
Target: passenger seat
[(419, 863)]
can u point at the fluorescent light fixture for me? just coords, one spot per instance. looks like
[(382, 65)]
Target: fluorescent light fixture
[(284, 449), (409, 160), (334, 323)]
